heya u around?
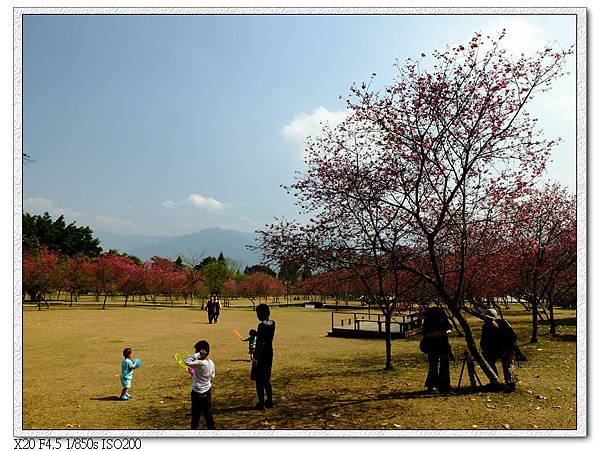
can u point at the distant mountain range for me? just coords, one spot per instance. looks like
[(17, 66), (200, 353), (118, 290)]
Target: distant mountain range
[(205, 243)]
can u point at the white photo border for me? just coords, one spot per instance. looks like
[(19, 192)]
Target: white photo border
[(581, 193)]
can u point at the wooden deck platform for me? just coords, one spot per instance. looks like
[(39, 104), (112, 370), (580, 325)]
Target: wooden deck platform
[(369, 325)]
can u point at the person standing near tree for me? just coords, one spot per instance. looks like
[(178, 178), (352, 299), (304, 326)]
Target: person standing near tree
[(435, 344), (263, 357), (499, 342)]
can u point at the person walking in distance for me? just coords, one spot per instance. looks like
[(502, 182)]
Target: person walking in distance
[(210, 309), (216, 308)]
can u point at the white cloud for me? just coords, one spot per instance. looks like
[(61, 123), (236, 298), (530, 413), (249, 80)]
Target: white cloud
[(521, 36), (196, 200), (304, 125), (170, 203), (206, 202), (39, 206)]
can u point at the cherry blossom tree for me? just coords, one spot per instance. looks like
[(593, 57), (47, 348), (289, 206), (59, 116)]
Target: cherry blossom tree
[(231, 288), (108, 271), (543, 241), (39, 274), (76, 279), (417, 176), (258, 284)]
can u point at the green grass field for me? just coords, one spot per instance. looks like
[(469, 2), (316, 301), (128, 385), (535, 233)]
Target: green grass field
[(71, 370)]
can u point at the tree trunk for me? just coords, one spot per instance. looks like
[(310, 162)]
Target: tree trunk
[(388, 341), (551, 313), (126, 298), (104, 304), (458, 331), (534, 323)]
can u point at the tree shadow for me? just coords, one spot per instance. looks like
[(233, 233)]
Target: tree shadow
[(238, 408), (562, 321), (563, 337), (418, 394)]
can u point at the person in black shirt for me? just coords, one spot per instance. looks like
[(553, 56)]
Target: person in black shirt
[(435, 344), (263, 357), (210, 309), (499, 342)]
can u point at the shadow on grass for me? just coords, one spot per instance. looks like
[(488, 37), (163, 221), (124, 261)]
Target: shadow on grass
[(419, 394), (563, 337), (106, 398), (302, 401), (562, 321)]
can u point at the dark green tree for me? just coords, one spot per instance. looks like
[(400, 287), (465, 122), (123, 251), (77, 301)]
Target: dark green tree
[(259, 268), (68, 239), (204, 262), (215, 274)]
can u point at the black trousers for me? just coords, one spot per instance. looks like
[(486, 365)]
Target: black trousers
[(201, 406), (261, 373), (211, 316), (507, 357), (439, 371)]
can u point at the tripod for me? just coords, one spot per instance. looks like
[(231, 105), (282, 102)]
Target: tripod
[(467, 361)]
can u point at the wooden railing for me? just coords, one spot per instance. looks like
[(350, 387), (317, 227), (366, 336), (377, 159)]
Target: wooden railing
[(353, 320)]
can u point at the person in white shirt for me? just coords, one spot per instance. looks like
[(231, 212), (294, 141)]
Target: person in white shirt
[(204, 373)]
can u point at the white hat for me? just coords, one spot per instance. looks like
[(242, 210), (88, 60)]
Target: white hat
[(491, 314)]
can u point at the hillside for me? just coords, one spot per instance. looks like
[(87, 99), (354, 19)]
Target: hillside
[(208, 242)]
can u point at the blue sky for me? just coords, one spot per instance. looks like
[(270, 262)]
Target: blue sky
[(171, 124)]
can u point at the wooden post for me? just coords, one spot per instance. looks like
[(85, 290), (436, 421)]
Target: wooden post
[(332, 321)]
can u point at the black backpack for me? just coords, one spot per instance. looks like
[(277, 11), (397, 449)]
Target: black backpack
[(506, 335)]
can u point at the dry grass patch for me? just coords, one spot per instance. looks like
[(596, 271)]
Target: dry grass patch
[(71, 375)]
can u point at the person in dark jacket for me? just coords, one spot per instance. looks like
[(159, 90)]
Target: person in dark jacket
[(435, 344), (499, 342), (210, 309), (263, 357), (217, 309)]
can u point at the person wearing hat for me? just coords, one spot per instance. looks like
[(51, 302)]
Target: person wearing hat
[(499, 342)]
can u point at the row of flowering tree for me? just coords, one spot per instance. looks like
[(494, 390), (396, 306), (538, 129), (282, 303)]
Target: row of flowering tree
[(47, 273), (412, 189)]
